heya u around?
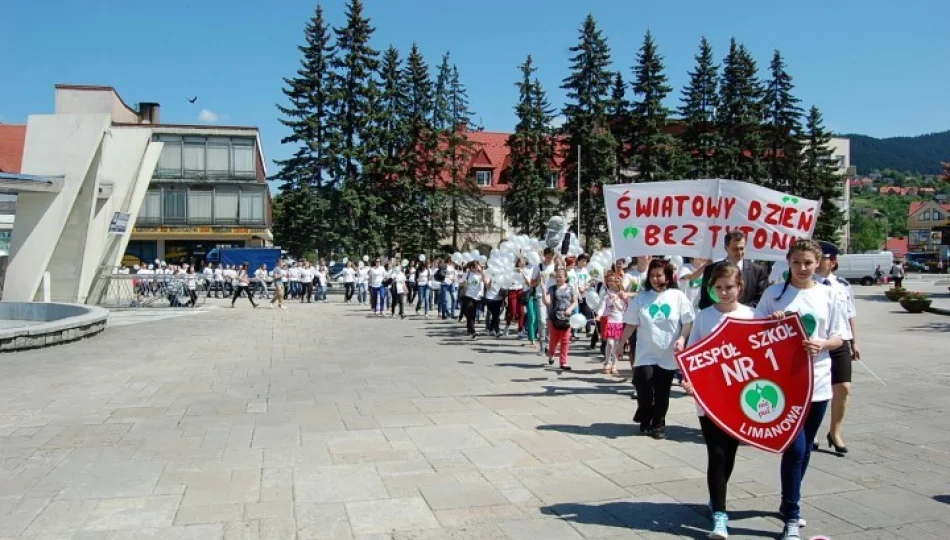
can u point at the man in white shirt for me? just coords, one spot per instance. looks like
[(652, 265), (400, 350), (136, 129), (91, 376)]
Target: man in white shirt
[(449, 297), (542, 279), (362, 282)]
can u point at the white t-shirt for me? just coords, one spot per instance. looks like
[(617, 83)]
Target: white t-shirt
[(818, 306), (613, 307), (779, 272), (546, 273), (659, 319), (708, 320), (450, 274), (690, 288), (295, 274), (377, 275), (363, 275), (633, 280), (399, 280), (261, 275), (320, 273), (517, 280), (845, 297), (583, 280), (433, 284), (422, 277), (218, 274), (349, 275), (474, 285), (493, 290)]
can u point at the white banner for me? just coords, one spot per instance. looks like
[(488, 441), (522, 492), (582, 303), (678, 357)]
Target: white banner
[(690, 218)]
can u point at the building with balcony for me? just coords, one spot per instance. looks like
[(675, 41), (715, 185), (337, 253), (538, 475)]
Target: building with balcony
[(208, 190), (928, 229)]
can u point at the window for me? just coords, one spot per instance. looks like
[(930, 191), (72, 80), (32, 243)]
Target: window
[(483, 216), (226, 206), (151, 210), (243, 158), (252, 206), (200, 205), (553, 180), (937, 216), (218, 157), (175, 205), (925, 216), (169, 163), (194, 157), (839, 161), (483, 178)]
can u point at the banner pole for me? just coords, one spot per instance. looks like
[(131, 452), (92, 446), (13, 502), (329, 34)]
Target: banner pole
[(579, 195)]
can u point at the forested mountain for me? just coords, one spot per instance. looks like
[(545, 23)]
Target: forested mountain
[(922, 154)]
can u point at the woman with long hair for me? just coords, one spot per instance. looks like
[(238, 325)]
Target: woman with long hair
[(560, 301), (243, 281), (661, 315), (825, 322), (516, 301)]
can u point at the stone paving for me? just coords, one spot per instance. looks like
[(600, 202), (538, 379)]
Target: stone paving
[(319, 422)]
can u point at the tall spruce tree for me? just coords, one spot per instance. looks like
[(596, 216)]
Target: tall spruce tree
[(655, 152), (739, 118), (441, 116), (588, 128), (386, 170), (460, 188), (820, 178), (531, 151), (618, 114), (301, 222), (700, 140), (783, 126), (355, 94)]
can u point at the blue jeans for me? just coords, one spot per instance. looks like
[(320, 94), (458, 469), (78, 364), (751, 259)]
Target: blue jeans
[(361, 293), (320, 292), (795, 462), (383, 295), (423, 299), (448, 301)]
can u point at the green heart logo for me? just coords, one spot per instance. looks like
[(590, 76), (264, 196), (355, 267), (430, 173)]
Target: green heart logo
[(696, 283), (631, 231), (752, 397), (810, 323), (793, 200), (665, 308), (654, 309), (770, 394), (785, 275), (784, 199)]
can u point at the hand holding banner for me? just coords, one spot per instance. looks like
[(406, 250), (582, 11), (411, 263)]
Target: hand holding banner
[(754, 379), (691, 217)]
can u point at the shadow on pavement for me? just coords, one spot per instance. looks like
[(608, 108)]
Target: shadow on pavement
[(679, 519), (931, 327), (945, 499), (680, 434)]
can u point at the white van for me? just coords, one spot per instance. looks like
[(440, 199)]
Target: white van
[(860, 268)]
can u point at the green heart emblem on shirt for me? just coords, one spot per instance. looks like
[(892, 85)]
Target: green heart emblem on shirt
[(810, 323), (785, 275), (656, 309), (696, 283)]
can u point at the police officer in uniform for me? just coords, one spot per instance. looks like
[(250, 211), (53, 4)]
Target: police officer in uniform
[(841, 357)]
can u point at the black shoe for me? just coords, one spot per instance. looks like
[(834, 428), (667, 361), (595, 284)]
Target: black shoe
[(566, 367), (658, 434), (644, 428), (550, 361), (838, 449)]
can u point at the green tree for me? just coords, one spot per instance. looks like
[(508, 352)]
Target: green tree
[(700, 100), (531, 150), (739, 118), (301, 221), (588, 128), (460, 187), (655, 152), (355, 94), (783, 126), (441, 114), (820, 178), (618, 114), (867, 233)]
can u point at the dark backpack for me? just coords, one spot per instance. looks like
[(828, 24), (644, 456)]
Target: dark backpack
[(440, 275)]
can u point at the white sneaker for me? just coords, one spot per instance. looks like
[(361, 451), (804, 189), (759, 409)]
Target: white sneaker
[(791, 531), (720, 529)]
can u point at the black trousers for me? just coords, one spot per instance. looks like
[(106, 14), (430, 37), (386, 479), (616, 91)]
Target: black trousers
[(720, 460), (653, 395), (242, 289), (397, 299), (307, 291), (468, 307), (192, 298), (348, 291), (412, 292), (494, 315)]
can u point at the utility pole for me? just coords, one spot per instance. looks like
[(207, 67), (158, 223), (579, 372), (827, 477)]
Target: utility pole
[(579, 195)]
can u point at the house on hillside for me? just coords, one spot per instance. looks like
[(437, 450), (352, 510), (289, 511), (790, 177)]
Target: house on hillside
[(928, 227)]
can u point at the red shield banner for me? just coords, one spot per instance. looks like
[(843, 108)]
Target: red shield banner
[(754, 379)]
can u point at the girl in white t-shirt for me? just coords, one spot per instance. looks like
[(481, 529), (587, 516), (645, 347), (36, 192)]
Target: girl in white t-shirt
[(611, 311), (726, 282), (661, 314), (422, 289), (474, 288), (349, 280), (399, 291), (516, 300), (362, 283), (825, 323)]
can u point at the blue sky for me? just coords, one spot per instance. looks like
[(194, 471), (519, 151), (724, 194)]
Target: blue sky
[(873, 66)]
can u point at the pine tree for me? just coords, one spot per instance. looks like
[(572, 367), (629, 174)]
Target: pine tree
[(441, 116), (355, 93), (531, 151), (783, 126), (588, 128), (302, 222), (820, 178), (460, 188), (700, 100), (618, 113), (739, 118), (654, 151)]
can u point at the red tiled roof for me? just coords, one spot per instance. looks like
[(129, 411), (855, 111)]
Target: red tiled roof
[(915, 206), (491, 152), (897, 246), (12, 140)]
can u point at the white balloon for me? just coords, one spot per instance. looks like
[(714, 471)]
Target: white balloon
[(332, 263), (405, 262), (534, 258), (346, 260), (596, 271), (577, 321), (361, 264), (676, 261), (365, 258), (593, 299), (422, 257), (507, 246), (482, 259)]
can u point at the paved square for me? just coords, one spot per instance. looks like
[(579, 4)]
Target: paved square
[(318, 422)]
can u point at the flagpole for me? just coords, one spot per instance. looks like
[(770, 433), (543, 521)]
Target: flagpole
[(579, 195)]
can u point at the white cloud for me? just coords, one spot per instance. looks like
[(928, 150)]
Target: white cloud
[(208, 116)]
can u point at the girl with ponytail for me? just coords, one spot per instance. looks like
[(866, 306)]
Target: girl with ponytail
[(824, 322)]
